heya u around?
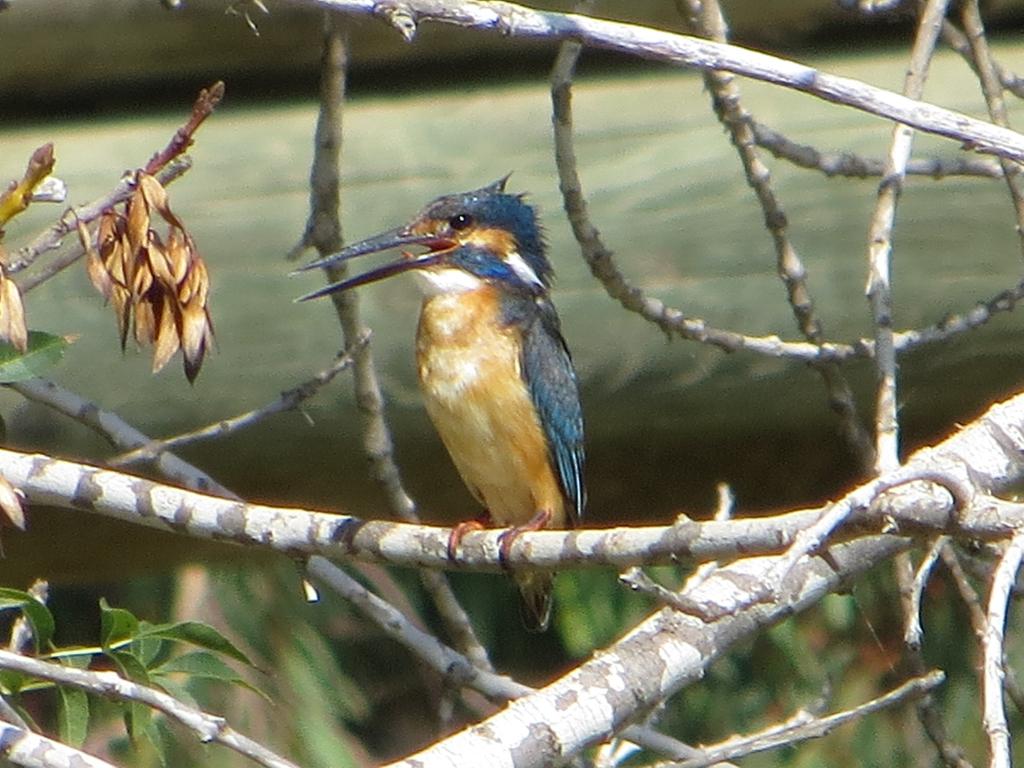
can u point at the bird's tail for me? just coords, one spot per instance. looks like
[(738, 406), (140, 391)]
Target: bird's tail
[(535, 599)]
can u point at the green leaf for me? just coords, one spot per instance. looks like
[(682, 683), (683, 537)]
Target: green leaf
[(195, 633), (203, 664), (160, 736), (151, 651), (44, 351), (116, 625), (130, 667), (136, 716), (73, 716), (200, 664), (12, 682), (136, 719), (35, 612)]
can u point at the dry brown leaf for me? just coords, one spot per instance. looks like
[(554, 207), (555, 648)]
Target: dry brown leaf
[(193, 332), (120, 299), (159, 264), (156, 199), (179, 247), (158, 287), (142, 280), (12, 315), (137, 222), (196, 285), (145, 322), (94, 267), (167, 339)]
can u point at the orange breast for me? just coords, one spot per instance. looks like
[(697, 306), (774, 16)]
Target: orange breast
[(474, 392)]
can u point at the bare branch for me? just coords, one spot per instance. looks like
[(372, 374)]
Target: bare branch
[(991, 87), (288, 400), (453, 666), (323, 231), (120, 433), (912, 632), (209, 728), (957, 40), (994, 652), (709, 22), (853, 165), (923, 496), (977, 617), (803, 726), (880, 243), (514, 20), (664, 653), (51, 238), (20, 746)]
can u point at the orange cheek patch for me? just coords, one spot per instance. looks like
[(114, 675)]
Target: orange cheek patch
[(494, 240)]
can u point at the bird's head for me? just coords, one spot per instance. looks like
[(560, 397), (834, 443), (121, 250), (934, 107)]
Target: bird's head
[(472, 238)]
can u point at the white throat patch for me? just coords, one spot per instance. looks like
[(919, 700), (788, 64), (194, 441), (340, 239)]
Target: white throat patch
[(448, 280)]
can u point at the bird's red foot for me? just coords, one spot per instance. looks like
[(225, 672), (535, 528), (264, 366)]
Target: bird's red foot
[(538, 522), (466, 526)]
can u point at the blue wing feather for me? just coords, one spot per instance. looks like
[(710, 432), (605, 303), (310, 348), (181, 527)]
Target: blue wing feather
[(551, 379)]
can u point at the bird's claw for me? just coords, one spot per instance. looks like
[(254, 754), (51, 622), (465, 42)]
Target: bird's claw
[(461, 529), (538, 522)]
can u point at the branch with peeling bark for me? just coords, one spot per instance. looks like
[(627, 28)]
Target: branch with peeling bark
[(941, 489)]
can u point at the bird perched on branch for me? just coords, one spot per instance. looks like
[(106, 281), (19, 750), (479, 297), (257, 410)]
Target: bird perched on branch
[(495, 372)]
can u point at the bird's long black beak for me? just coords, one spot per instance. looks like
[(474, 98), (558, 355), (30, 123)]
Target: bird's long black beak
[(395, 238)]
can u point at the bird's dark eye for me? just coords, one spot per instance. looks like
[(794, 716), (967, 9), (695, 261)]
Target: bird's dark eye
[(460, 221)]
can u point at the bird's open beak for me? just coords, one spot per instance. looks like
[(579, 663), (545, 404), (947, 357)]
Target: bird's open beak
[(395, 238)]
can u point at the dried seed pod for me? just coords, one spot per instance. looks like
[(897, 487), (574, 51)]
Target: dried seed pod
[(12, 314), (158, 286)]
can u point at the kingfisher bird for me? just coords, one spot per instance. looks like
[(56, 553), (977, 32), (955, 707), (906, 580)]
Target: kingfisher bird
[(496, 375)]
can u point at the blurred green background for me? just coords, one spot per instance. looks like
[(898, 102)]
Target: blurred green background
[(109, 81)]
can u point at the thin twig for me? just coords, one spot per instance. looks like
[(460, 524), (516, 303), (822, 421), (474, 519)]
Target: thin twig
[(957, 40), (120, 433), (209, 728), (803, 726), (167, 164), (323, 232), (991, 87), (183, 138), (814, 537), (928, 712), (994, 648), (879, 288), (725, 93), (519, 21), (52, 237), (9, 714), (912, 632), (602, 265), (287, 401), (853, 165), (972, 602), (452, 665)]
